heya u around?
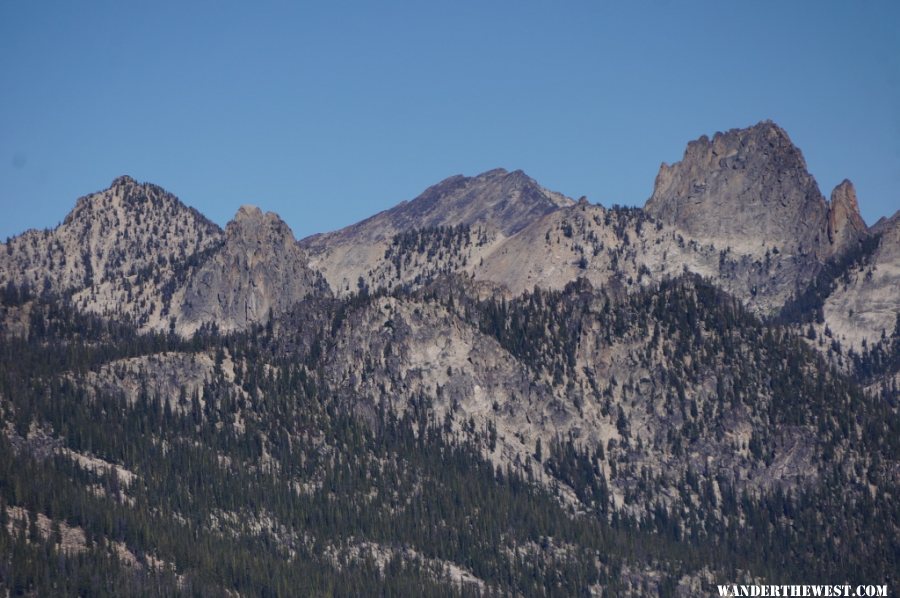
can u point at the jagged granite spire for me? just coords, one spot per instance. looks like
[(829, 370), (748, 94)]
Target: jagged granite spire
[(258, 271), (845, 225)]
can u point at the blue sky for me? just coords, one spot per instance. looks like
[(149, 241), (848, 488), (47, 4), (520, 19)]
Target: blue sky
[(328, 112)]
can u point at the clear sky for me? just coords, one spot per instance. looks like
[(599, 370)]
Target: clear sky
[(328, 112)]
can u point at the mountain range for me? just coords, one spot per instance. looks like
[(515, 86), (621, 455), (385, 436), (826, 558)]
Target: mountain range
[(489, 389)]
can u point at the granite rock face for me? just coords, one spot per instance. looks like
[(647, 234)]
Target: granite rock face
[(865, 304), (745, 188), (259, 270), (845, 224), (748, 192)]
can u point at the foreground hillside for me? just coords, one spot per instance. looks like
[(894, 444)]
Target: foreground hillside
[(299, 467)]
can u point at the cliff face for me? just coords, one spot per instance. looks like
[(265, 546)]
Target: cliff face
[(865, 302), (746, 188), (845, 224), (259, 271), (747, 192)]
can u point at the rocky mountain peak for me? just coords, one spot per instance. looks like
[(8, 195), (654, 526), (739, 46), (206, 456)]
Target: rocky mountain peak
[(257, 232), (122, 181), (507, 201), (765, 138), (260, 270), (497, 204), (248, 212), (512, 179), (845, 224), (885, 223), (123, 230), (745, 188), (495, 173)]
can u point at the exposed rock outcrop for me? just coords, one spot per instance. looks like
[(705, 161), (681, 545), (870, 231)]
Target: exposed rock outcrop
[(498, 202), (109, 235), (259, 271), (845, 224), (115, 251), (746, 188), (866, 301), (740, 209)]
